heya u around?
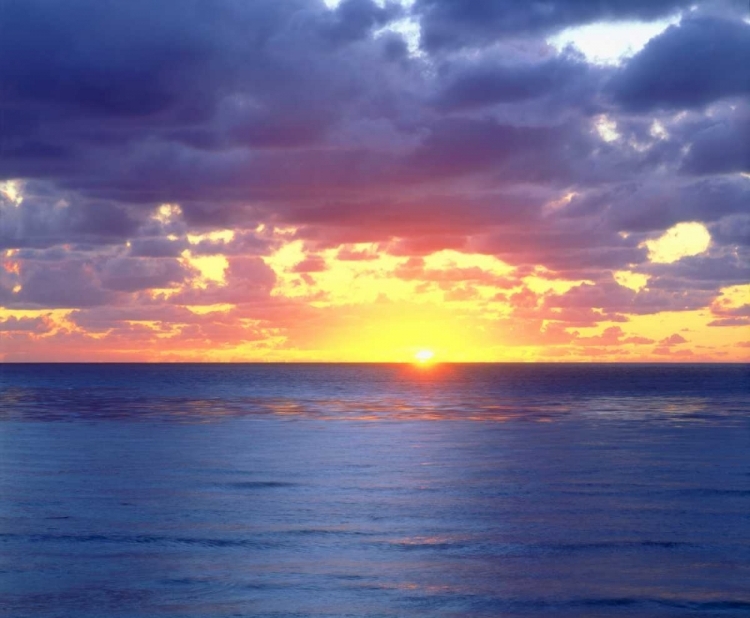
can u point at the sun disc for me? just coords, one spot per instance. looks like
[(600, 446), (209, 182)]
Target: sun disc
[(424, 356)]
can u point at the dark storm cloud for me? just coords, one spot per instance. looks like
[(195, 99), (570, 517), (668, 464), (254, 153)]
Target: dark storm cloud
[(722, 147), (209, 74), (133, 274), (733, 230), (701, 60), (69, 279), (45, 221), (244, 242), (641, 207), (102, 57), (477, 84), (578, 249), (457, 147), (139, 58), (612, 297), (457, 23), (158, 247), (701, 272), (65, 284)]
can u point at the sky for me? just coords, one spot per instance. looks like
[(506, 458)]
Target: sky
[(354, 180)]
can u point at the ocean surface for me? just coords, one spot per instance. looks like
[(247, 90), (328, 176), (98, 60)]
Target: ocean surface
[(374, 490)]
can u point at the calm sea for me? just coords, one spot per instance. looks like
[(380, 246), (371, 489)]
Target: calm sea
[(374, 490)]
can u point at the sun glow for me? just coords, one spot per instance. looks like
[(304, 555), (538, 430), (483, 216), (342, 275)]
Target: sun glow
[(679, 241), (424, 356)]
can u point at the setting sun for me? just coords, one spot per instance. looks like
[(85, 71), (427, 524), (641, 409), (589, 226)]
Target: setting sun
[(424, 356)]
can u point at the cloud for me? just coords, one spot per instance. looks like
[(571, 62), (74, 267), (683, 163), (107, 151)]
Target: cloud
[(37, 325), (473, 84), (690, 65), (650, 206), (158, 247), (730, 322), (673, 339), (454, 23), (46, 219), (722, 146), (246, 280), (612, 297), (709, 272), (667, 351), (100, 319), (70, 283), (127, 274), (311, 264)]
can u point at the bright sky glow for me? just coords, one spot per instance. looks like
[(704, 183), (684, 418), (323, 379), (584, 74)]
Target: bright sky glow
[(682, 240), (607, 128), (12, 190), (610, 43), (409, 29), (167, 213), (628, 279), (216, 235), (211, 267)]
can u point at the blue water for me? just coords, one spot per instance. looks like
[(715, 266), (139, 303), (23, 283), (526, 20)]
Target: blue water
[(374, 490)]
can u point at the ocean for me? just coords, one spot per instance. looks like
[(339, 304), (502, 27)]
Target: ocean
[(297, 490)]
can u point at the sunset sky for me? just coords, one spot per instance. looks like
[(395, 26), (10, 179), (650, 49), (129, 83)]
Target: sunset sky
[(294, 180)]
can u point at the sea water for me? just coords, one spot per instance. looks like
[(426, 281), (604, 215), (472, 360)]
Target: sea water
[(374, 490)]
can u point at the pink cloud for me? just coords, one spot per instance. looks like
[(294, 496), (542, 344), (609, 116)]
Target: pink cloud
[(674, 339)]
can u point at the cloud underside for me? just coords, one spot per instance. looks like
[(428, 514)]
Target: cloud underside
[(271, 180)]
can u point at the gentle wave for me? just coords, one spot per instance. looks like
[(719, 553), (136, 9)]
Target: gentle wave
[(138, 540), (45, 406), (374, 491)]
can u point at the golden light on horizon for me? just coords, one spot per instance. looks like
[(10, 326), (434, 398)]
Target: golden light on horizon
[(424, 356)]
